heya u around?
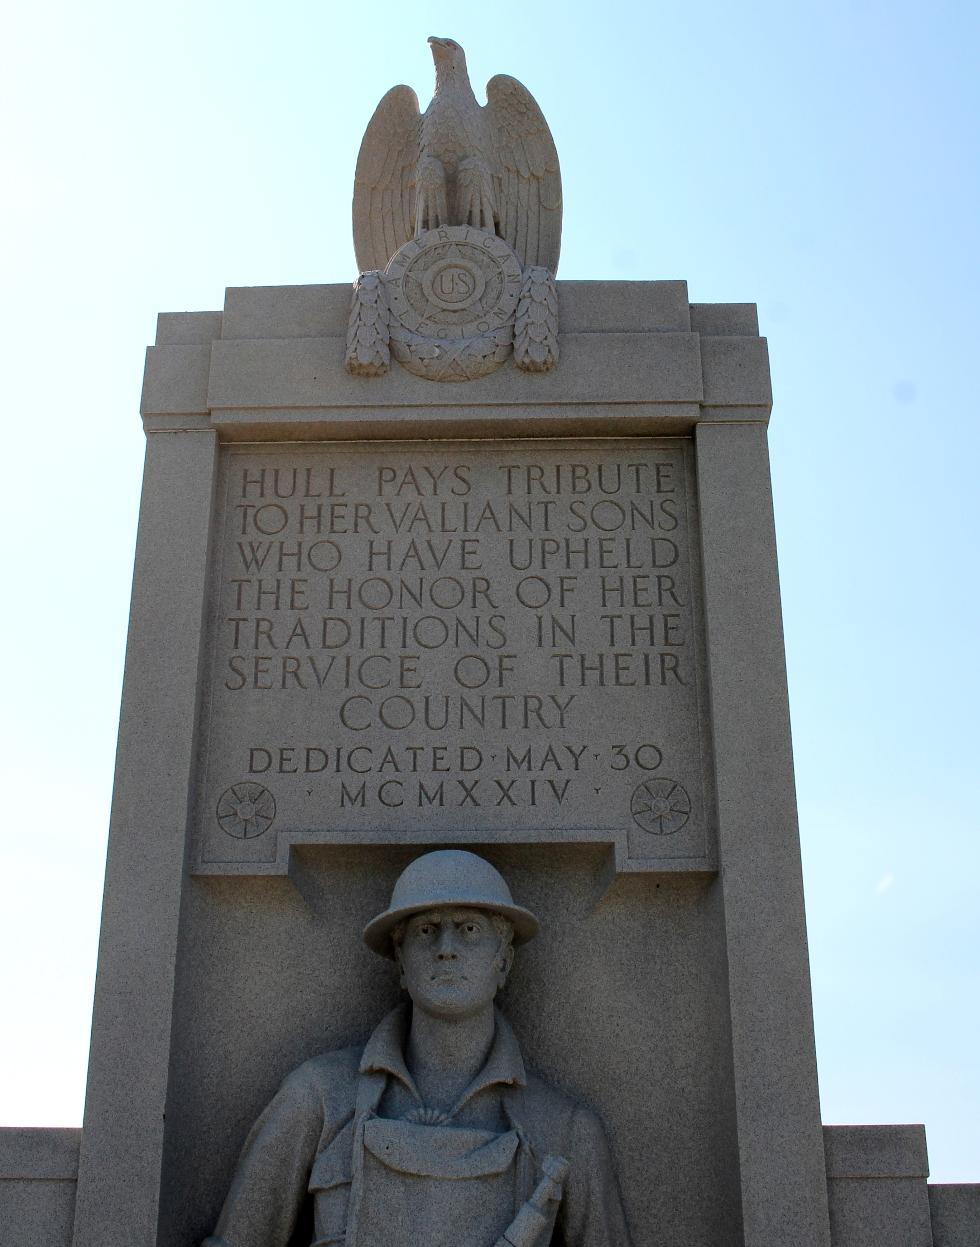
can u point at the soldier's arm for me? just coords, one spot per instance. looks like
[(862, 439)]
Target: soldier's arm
[(592, 1212), (271, 1176)]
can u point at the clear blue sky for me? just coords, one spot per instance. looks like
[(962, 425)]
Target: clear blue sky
[(817, 158)]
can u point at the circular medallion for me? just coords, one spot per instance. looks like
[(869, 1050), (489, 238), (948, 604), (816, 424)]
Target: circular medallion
[(660, 806), (245, 810), (454, 282)]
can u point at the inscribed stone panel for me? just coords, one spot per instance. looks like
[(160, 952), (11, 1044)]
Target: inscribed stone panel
[(423, 642)]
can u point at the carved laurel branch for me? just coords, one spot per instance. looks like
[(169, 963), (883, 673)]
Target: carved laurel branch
[(536, 323), (368, 353), (451, 359)]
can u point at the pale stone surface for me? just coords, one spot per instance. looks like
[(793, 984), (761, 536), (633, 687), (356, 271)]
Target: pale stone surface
[(309, 373), (586, 306), (725, 319), (188, 328), (128, 1076), (876, 1178), (625, 307), (879, 1212), (278, 371), (454, 420), (735, 372), (286, 311), (175, 380), (492, 168), (876, 1151), (39, 1153), (784, 1195), (955, 1210), (38, 1174)]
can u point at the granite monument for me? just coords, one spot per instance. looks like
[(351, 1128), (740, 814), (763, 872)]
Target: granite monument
[(404, 638)]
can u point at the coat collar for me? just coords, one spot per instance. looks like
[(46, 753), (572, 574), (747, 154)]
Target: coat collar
[(384, 1054)]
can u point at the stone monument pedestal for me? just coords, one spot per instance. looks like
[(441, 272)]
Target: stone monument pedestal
[(536, 616)]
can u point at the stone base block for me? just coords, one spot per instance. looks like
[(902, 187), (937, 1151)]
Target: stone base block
[(955, 1214), (876, 1182), (38, 1175)]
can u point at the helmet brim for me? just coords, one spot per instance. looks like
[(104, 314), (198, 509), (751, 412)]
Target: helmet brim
[(377, 933)]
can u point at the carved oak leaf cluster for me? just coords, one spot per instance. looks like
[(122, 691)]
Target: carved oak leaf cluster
[(536, 323), (368, 352)]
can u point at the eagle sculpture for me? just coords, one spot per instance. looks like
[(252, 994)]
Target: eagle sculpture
[(494, 168)]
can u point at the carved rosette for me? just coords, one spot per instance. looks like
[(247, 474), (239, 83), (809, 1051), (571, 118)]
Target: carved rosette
[(447, 306)]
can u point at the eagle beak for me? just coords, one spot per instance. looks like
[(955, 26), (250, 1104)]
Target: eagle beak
[(445, 51)]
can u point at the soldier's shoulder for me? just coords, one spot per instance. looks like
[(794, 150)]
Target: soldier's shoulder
[(560, 1117), (543, 1097), (331, 1071)]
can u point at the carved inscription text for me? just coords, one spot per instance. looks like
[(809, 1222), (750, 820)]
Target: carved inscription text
[(449, 636)]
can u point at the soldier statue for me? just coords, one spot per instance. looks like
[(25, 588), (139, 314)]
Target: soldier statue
[(434, 1134)]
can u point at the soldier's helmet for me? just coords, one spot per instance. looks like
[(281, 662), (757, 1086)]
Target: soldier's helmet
[(448, 879)]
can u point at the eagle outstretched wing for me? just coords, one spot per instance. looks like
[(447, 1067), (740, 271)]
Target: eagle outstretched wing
[(528, 178), (384, 180)]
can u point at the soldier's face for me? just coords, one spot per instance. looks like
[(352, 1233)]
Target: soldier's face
[(452, 962)]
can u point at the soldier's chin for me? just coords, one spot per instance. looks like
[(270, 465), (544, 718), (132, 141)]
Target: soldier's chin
[(450, 1000)]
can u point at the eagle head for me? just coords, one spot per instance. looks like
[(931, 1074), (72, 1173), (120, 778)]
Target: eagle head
[(449, 57)]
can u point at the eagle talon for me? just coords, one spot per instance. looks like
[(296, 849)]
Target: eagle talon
[(431, 209), (474, 195)]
